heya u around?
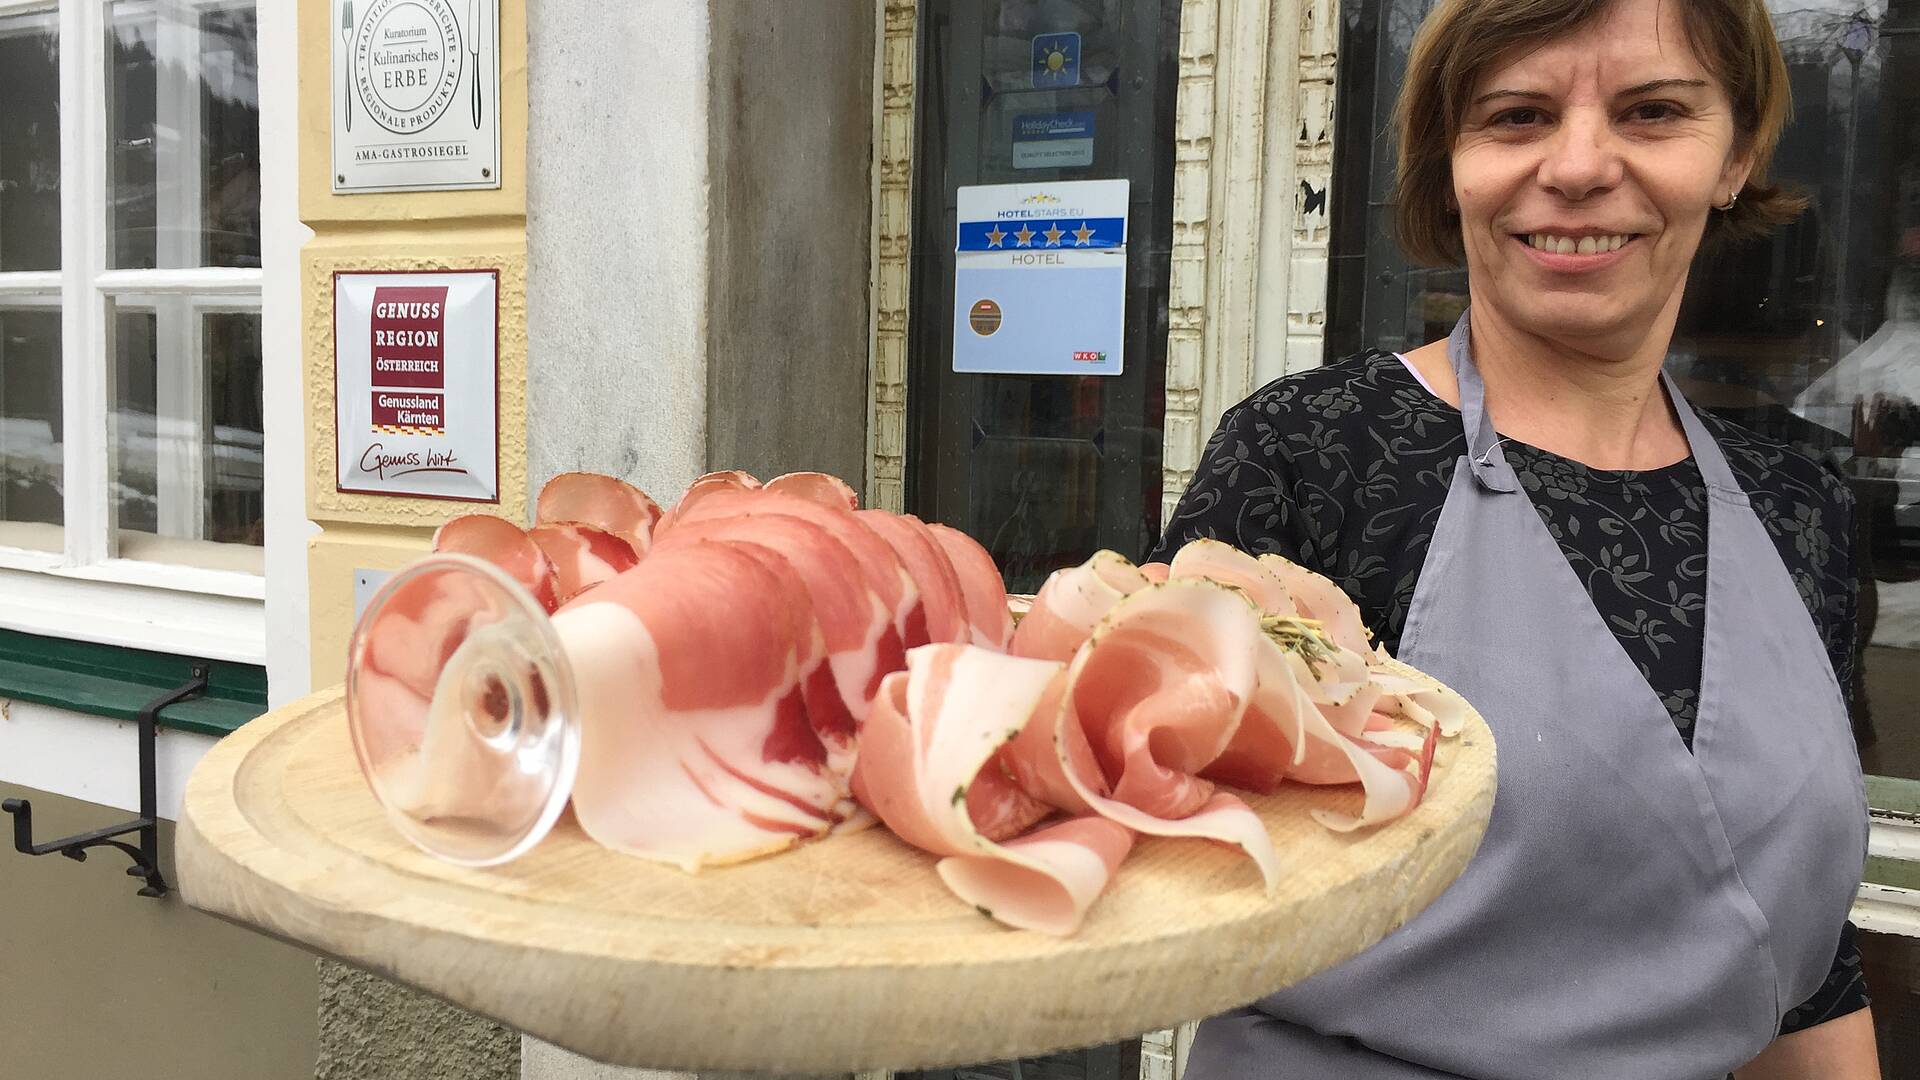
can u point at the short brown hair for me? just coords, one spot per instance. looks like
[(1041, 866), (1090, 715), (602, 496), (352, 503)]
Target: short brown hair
[(1734, 40)]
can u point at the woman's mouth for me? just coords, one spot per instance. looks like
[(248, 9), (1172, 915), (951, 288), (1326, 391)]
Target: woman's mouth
[(1587, 252)]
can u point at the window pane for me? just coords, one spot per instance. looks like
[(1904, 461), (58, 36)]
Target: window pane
[(187, 443), (184, 123), (31, 451), (1811, 336), (30, 142)]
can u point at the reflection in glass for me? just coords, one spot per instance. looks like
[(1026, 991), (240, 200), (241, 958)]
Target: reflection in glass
[(186, 434), (1811, 337), (184, 131), (30, 142), (31, 425)]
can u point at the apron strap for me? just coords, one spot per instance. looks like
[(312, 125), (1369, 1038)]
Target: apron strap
[(1707, 455), (1489, 466)]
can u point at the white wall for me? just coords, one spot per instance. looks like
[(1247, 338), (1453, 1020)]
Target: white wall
[(282, 235), (91, 758)]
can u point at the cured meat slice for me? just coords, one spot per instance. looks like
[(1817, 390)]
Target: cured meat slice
[(1428, 704), (505, 545), (1225, 564), (705, 486), (943, 604), (683, 760), (852, 621), (1159, 691), (885, 574), (981, 587), (933, 729), (734, 478), (601, 501), (1071, 603), (1318, 598), (818, 487), (1393, 779), (582, 556)]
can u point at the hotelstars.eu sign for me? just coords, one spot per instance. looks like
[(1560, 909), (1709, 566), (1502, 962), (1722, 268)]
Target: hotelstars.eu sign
[(1040, 278)]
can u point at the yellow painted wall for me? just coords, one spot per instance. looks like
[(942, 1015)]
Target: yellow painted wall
[(432, 230)]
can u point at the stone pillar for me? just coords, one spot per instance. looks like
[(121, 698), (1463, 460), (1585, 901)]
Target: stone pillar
[(698, 234)]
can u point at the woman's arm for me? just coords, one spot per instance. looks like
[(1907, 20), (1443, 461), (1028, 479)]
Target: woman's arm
[(1840, 1049)]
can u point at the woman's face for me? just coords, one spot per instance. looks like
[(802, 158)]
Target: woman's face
[(1585, 171)]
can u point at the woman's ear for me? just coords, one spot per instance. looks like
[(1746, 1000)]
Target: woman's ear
[(1733, 178)]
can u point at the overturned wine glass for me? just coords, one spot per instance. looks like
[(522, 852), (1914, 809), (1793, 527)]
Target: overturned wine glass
[(463, 709)]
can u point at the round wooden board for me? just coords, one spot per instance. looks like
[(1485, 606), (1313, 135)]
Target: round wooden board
[(844, 955)]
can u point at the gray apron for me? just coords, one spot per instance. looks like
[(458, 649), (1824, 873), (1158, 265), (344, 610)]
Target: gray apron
[(1635, 910)]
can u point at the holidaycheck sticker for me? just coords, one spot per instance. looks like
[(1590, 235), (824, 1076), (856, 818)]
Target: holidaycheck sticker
[(1062, 140)]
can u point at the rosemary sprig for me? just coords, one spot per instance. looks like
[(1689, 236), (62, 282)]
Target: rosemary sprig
[(1304, 637)]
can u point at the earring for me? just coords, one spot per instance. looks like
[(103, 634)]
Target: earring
[(1731, 199)]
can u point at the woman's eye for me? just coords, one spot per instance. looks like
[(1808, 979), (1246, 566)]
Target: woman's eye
[(1653, 111), (1518, 118)]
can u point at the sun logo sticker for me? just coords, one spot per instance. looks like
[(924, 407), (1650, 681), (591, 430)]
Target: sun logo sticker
[(984, 317), (1056, 61)]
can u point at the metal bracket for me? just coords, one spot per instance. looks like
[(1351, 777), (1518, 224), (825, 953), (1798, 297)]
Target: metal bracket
[(146, 857)]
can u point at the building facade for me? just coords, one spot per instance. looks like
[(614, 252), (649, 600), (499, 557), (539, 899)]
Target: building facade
[(727, 234)]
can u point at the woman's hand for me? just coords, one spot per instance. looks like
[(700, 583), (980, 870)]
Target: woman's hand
[(1840, 1049)]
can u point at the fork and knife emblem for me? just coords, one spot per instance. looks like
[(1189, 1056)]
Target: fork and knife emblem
[(475, 32), (346, 54)]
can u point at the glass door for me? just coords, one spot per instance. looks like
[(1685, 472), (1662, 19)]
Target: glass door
[(1042, 469)]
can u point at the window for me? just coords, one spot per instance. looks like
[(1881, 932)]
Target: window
[(130, 360)]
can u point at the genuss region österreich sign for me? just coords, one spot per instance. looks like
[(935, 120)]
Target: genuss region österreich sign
[(416, 383)]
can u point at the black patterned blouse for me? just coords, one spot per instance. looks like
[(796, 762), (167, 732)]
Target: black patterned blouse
[(1345, 469)]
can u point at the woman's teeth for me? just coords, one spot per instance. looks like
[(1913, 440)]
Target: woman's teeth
[(1585, 245)]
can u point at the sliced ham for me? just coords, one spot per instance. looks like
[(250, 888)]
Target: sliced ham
[(981, 587), (1159, 690), (933, 729), (1071, 603), (604, 502), (582, 555), (943, 604), (1225, 564), (885, 575), (724, 482), (839, 689), (684, 759), (1426, 703), (505, 545), (818, 487)]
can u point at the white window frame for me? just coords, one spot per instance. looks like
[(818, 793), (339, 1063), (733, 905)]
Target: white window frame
[(85, 592)]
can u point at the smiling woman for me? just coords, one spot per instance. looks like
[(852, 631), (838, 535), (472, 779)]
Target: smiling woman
[(1680, 826)]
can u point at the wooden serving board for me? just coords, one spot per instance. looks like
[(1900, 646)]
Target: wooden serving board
[(847, 954)]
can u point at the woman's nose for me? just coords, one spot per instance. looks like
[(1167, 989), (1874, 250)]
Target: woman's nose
[(1581, 158)]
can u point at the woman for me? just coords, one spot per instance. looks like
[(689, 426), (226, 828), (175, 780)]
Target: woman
[(1631, 593)]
